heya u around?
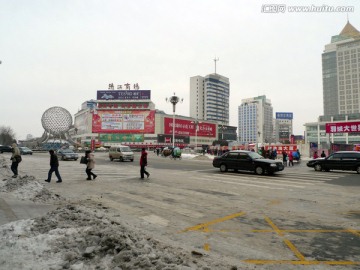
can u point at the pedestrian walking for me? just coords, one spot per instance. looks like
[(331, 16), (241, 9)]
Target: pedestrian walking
[(90, 165), (285, 158), (315, 155), (15, 159), (291, 159), (143, 164), (54, 167), (323, 155)]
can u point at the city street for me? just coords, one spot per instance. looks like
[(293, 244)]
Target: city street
[(295, 218)]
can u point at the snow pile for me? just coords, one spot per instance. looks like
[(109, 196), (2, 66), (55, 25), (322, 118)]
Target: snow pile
[(79, 237), (25, 187)]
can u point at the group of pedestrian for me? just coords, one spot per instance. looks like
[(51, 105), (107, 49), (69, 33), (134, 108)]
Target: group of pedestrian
[(54, 164)]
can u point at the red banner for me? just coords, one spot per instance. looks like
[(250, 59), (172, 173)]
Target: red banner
[(188, 128), (342, 127), (283, 147), (115, 121)]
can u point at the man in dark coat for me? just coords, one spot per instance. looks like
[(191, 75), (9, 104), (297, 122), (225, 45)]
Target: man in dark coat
[(143, 164), (54, 167)]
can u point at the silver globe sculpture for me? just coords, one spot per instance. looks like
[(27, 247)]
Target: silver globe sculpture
[(56, 121)]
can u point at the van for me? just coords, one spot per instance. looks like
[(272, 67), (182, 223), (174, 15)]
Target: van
[(121, 152)]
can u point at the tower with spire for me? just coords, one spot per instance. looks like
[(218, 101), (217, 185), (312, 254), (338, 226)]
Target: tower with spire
[(341, 73)]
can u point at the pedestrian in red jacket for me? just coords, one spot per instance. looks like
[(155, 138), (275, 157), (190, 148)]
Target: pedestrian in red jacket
[(143, 164)]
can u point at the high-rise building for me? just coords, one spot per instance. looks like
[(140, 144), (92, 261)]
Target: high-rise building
[(255, 120), (209, 98), (341, 73)]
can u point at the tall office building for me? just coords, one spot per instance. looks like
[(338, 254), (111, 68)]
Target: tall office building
[(255, 120), (209, 98), (341, 73)]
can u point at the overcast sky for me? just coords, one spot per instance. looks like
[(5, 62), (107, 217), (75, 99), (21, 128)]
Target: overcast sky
[(59, 53)]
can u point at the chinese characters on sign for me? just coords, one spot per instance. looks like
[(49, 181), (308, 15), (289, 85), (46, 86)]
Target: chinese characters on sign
[(343, 127), (123, 95), (188, 128), (284, 115), (126, 86)]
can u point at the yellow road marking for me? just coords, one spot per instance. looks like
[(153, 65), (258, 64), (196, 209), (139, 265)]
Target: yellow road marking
[(287, 242), (275, 228), (204, 226), (206, 247), (295, 250), (357, 233)]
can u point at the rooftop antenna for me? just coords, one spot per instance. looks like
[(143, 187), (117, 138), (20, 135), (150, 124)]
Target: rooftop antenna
[(216, 59)]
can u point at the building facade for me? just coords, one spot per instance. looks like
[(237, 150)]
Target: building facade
[(315, 132), (129, 117), (283, 127), (341, 73), (255, 120), (209, 98)]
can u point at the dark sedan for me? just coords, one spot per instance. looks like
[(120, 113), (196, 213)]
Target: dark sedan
[(5, 148), (67, 154), (342, 160), (247, 161)]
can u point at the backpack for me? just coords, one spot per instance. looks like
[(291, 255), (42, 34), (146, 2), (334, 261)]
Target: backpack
[(18, 159)]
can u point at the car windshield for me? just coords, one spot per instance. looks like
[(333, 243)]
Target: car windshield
[(255, 155), (125, 149), (66, 151)]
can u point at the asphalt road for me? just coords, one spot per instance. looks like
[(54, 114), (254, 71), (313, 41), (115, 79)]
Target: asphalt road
[(292, 220)]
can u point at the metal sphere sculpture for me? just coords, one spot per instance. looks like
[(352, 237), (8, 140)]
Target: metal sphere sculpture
[(56, 121)]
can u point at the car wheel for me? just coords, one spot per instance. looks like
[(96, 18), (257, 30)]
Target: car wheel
[(318, 168), (358, 169), (111, 159), (121, 159), (223, 168), (259, 170), (132, 160)]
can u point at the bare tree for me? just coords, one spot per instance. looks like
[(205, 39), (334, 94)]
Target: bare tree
[(7, 135)]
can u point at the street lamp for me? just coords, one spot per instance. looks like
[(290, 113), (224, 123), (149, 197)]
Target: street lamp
[(196, 122), (174, 100), (222, 128)]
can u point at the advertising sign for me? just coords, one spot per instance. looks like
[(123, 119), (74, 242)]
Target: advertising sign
[(284, 115), (185, 127), (117, 137), (123, 94), (342, 127), (283, 147), (114, 121), (163, 138)]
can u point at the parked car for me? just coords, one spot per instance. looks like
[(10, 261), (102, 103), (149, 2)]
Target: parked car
[(25, 151), (342, 160), (247, 161), (121, 152), (5, 148), (67, 154)]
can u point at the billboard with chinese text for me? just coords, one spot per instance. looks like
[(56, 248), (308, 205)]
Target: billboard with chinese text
[(162, 138), (115, 121), (284, 147), (187, 128), (342, 127), (117, 137), (284, 115), (123, 94)]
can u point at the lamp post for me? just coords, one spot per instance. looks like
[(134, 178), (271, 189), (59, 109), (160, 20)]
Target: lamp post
[(196, 122), (174, 100)]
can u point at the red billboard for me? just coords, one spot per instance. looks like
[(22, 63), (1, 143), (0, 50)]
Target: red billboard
[(115, 121), (187, 128), (342, 127)]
